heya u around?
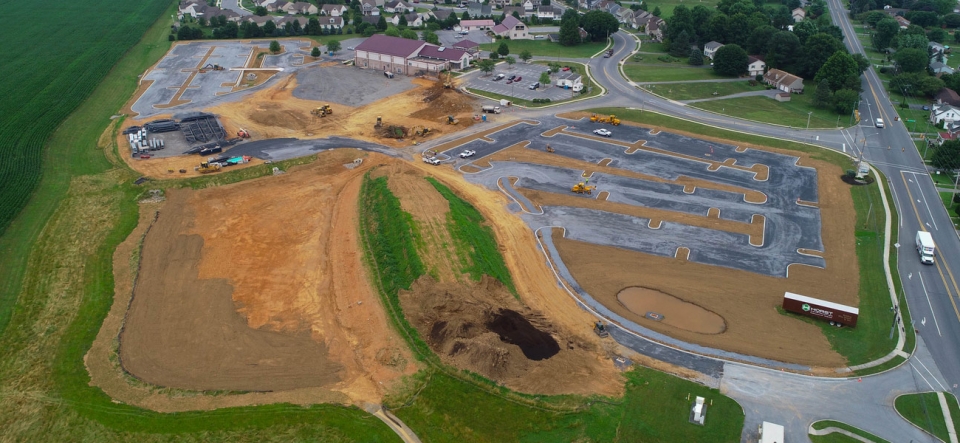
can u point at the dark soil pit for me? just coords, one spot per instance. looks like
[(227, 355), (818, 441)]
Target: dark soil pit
[(514, 329)]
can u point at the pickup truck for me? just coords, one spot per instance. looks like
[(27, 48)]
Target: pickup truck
[(431, 160)]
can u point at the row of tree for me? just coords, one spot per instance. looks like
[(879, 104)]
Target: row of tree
[(597, 24)]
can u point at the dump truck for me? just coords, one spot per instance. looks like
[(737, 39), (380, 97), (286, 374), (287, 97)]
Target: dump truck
[(926, 248), (582, 188), (490, 109)]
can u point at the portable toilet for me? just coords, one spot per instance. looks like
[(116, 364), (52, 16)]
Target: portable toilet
[(483, 117)]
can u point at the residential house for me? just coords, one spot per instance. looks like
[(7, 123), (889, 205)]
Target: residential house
[(277, 6), (945, 136), (476, 25), (782, 97), (624, 15), (940, 69), (303, 8), (641, 19), (288, 7), (944, 114), (509, 10), (710, 49), (369, 7), (282, 21), (570, 80), (513, 29), (472, 48), (545, 12), (904, 23), (398, 7), (528, 5), (372, 19), (442, 14), (333, 10), (264, 3), (477, 9), (260, 21), (331, 23), (783, 81), (408, 57), (413, 20), (936, 48), (798, 15), (755, 66), (655, 29), (947, 96), (499, 3)]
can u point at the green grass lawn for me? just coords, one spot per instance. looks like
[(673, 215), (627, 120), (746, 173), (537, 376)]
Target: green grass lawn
[(667, 6), (765, 109), (651, 46), (840, 438), (869, 340), (923, 410), (643, 72), (546, 48), (692, 91)]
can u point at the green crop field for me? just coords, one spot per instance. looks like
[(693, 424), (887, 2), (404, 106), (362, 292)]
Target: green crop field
[(49, 71)]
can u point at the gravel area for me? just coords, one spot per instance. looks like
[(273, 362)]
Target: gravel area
[(348, 85)]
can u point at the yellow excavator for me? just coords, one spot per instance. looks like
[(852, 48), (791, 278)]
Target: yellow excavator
[(583, 188), (206, 168), (420, 131), (322, 111)]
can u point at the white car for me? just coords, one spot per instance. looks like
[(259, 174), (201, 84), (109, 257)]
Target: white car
[(602, 132), (468, 153), (431, 160)]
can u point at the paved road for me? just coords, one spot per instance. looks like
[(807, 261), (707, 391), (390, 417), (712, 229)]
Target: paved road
[(234, 5)]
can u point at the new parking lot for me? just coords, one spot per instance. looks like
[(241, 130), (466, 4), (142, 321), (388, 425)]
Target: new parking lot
[(528, 74)]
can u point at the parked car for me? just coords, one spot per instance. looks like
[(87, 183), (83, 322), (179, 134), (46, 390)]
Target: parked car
[(602, 132), (498, 77), (387, 74), (468, 153), (513, 77), (565, 68), (925, 108), (535, 85), (431, 160), (518, 79), (539, 37)]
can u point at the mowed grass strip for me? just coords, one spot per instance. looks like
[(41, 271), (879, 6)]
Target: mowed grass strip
[(840, 438), (642, 73), (694, 91), (870, 339), (546, 48), (793, 113), (474, 238), (924, 411)]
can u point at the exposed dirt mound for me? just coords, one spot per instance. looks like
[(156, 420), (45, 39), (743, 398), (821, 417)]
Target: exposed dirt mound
[(442, 102), (481, 327), (270, 114)]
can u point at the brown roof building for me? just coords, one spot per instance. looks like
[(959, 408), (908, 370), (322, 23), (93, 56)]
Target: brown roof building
[(408, 57)]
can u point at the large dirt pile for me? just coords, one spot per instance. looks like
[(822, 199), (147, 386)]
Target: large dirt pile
[(481, 327)]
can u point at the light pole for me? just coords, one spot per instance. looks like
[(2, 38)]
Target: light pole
[(808, 119)]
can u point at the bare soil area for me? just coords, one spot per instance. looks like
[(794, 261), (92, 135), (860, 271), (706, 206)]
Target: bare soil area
[(260, 286), (670, 310)]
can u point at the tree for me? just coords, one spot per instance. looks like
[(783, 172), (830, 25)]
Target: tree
[(494, 56), (486, 65), (260, 11), (510, 60), (599, 24), (862, 62), (409, 34), (817, 8), (392, 32), (887, 29), (333, 45), (911, 60), (656, 11), (947, 156), (816, 51), (759, 40), (861, 6), (951, 20), (840, 71), (503, 49), (202, 21), (680, 46), (951, 81), (526, 55), (431, 37), (696, 57), (823, 97), (845, 100), (465, 16), (544, 78), (555, 67), (313, 27), (938, 35), (269, 28), (730, 60), (923, 19), (738, 30), (403, 21), (784, 51), (930, 86), (873, 17), (912, 41), (782, 18), (382, 24), (805, 30), (274, 46), (569, 31), (315, 52)]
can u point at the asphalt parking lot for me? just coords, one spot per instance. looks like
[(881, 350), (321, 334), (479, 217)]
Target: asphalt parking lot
[(451, 38), (529, 74), (348, 85)]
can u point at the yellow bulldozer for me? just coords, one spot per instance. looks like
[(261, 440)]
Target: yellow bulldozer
[(322, 111), (612, 119), (583, 188), (421, 131), (206, 168)]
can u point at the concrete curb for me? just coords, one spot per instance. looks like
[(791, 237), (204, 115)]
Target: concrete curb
[(910, 422), (951, 429), (832, 430), (586, 69)]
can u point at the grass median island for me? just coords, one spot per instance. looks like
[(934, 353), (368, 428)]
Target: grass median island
[(467, 227), (793, 113), (870, 340), (837, 437), (694, 91), (643, 72), (924, 411)]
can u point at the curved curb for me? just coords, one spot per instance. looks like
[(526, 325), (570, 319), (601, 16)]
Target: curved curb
[(910, 422), (836, 430)]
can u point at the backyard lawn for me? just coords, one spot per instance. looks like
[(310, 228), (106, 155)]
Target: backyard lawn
[(545, 48), (666, 6), (693, 91), (764, 109)]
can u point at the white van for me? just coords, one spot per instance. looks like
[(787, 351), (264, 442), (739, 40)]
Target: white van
[(879, 122)]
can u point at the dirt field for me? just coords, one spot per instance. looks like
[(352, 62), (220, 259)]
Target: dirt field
[(282, 253)]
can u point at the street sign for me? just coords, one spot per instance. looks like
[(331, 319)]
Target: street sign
[(911, 121)]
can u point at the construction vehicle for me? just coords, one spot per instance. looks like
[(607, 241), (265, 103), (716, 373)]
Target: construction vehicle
[(379, 122), (451, 120), (550, 149), (447, 79), (206, 168), (242, 133), (600, 329), (211, 66), (322, 111), (612, 119), (583, 188), (420, 130)]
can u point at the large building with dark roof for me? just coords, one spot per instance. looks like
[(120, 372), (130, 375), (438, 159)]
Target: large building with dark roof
[(408, 57)]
